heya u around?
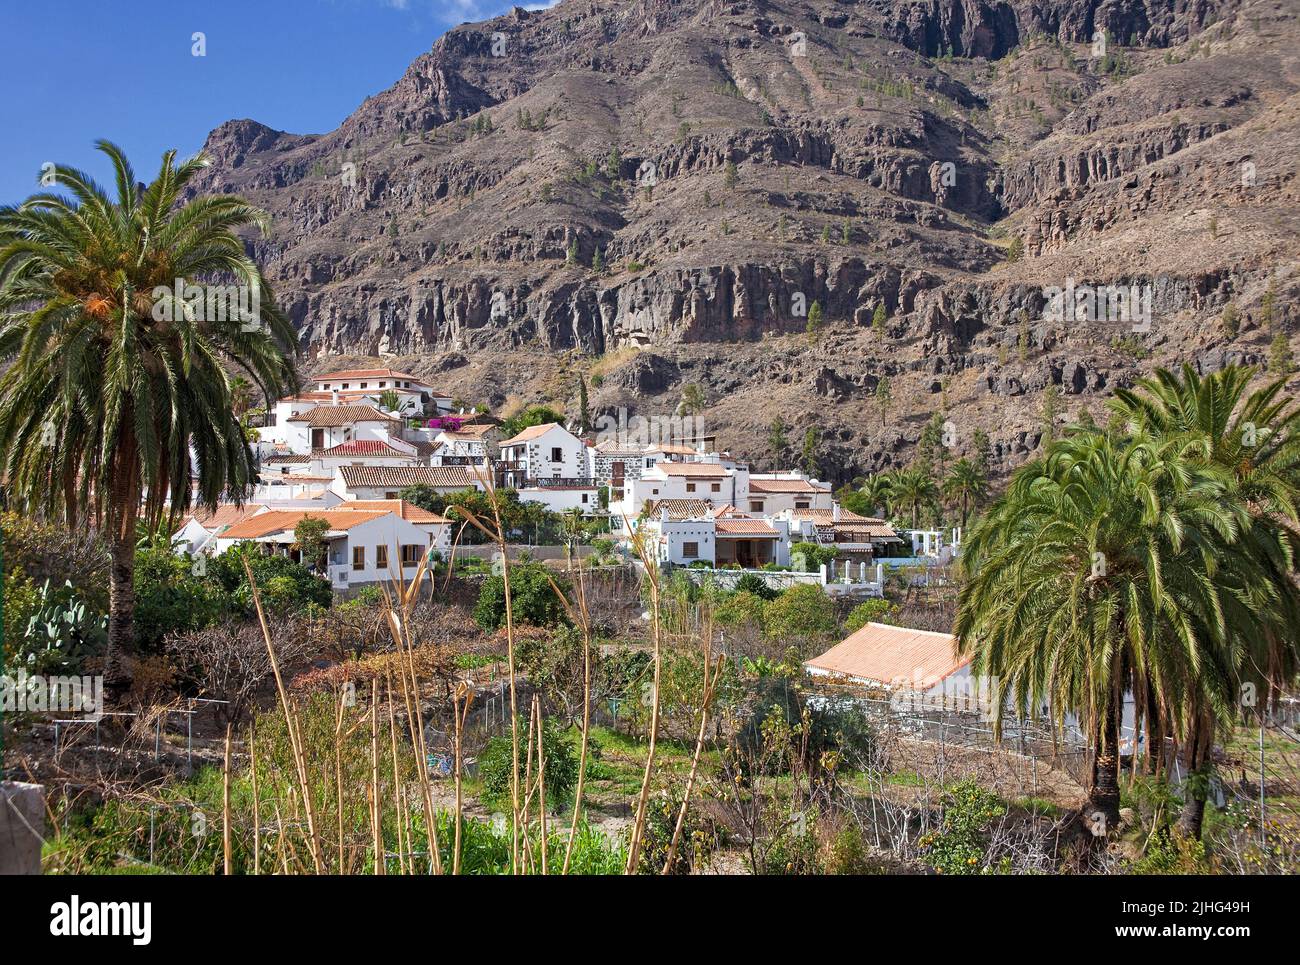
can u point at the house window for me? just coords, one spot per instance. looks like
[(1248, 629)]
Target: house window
[(358, 557), (347, 385), (411, 554), (801, 504), (390, 494), (690, 487), (716, 487), (557, 454), (382, 384), (691, 551), (755, 505), (584, 497), (381, 557), (365, 385)]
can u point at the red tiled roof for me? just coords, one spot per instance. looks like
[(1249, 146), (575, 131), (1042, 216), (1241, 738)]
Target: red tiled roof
[(743, 527), (334, 416), (227, 514), (408, 511), (361, 447), (784, 486), (395, 477), (896, 657), (531, 433), (678, 509), (276, 521)]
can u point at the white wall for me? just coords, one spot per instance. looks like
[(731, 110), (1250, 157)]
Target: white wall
[(562, 500)]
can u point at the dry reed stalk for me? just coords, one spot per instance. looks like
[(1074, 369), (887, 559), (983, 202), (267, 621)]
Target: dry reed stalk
[(228, 863), (338, 777), (257, 810), (541, 776), (652, 576), (376, 812), (528, 797), (465, 694), (407, 597), (710, 688), (279, 844), (584, 621), (498, 537), (291, 723), (402, 843)]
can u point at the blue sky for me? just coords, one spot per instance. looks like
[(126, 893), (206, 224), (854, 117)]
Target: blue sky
[(77, 70)]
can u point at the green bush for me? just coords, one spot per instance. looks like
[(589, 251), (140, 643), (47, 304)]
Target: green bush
[(814, 556), (800, 612), (755, 584), (738, 609), (960, 845), (169, 598), (532, 598), (869, 611), (61, 632), (285, 585), (496, 762)]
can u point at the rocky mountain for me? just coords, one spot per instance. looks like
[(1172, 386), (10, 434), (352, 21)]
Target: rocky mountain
[(654, 193)]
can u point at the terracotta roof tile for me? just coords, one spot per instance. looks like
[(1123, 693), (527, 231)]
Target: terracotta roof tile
[(276, 521), (744, 527), (895, 657), (334, 416), (408, 511), (395, 477), (531, 433)]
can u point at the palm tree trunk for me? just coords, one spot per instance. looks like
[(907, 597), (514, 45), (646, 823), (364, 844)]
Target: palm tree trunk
[(1103, 795), (121, 616), (1195, 789)]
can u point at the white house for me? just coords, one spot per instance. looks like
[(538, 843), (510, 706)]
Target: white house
[(562, 498), (547, 451), (772, 493), (326, 426), (416, 395), (388, 451), (363, 546), (689, 531), (711, 482), (467, 446), (199, 527), (386, 482)]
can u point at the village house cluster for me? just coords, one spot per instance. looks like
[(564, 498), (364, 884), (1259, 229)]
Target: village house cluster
[(346, 448)]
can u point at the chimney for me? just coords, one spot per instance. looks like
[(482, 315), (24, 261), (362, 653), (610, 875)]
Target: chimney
[(334, 397), (835, 512)]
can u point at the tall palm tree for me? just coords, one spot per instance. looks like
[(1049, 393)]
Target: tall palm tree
[(241, 396), (912, 490), (1253, 439), (1096, 575), (118, 391), (967, 484)]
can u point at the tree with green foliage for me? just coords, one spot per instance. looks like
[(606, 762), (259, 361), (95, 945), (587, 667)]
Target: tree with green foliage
[(800, 613), (534, 415), (883, 397), (309, 540), (532, 598), (879, 610), (390, 401), (119, 390), (877, 491), (814, 318), (879, 318), (1280, 361), (730, 175), (693, 401), (1050, 410), (967, 485), (913, 491), (584, 412), (808, 460), (776, 435)]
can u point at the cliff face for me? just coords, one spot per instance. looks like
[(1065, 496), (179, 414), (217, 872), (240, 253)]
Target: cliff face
[(655, 192)]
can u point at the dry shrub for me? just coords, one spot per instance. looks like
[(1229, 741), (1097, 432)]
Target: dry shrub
[(229, 661), (432, 662)]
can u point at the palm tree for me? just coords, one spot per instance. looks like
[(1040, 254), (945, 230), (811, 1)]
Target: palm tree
[(241, 396), (1253, 439), (967, 484), (911, 490), (118, 393), (1098, 574), (876, 489)]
